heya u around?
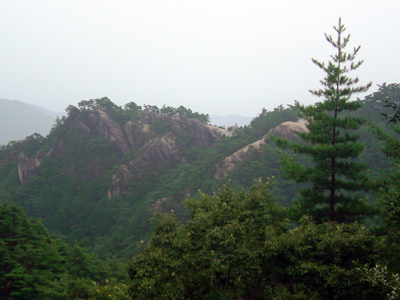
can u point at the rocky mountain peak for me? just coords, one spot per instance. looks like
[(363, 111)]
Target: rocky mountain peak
[(147, 142)]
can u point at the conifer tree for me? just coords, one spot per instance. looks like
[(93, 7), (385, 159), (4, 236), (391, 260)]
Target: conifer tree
[(331, 143)]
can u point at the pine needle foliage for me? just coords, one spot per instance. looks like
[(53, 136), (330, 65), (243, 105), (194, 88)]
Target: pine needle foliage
[(331, 143)]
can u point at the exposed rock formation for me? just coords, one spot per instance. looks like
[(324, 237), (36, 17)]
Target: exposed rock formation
[(55, 150), (158, 205), (158, 152), (152, 138), (112, 131), (288, 129), (201, 134), (229, 163), (221, 131), (148, 143), (137, 133), (27, 165), (285, 130), (83, 128), (120, 182)]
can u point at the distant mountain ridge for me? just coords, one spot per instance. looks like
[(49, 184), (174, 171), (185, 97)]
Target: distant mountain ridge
[(19, 120), (230, 120), (53, 114)]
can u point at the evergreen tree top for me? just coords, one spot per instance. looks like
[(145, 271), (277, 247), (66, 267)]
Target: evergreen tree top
[(332, 142), (337, 86)]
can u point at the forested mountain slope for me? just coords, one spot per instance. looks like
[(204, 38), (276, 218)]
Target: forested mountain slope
[(89, 177), (103, 170)]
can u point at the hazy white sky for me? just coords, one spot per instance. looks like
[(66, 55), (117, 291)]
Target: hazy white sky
[(217, 57)]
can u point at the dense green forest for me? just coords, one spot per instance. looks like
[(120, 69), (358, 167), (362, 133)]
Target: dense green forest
[(37, 265), (69, 190), (154, 203)]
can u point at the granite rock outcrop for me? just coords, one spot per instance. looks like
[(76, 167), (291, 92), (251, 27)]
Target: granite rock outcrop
[(284, 130)]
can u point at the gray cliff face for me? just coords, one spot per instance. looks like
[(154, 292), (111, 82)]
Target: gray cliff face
[(155, 151), (284, 130), (101, 122), (159, 151), (26, 166), (148, 143), (139, 134), (112, 131)]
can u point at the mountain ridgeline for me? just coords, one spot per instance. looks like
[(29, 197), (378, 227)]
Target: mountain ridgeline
[(104, 169), (19, 119)]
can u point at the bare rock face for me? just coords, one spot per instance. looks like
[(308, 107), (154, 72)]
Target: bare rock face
[(27, 165), (221, 131), (288, 129), (203, 135), (120, 181), (112, 131), (137, 133), (285, 130), (84, 128), (123, 169), (150, 142), (158, 205), (229, 163), (158, 152)]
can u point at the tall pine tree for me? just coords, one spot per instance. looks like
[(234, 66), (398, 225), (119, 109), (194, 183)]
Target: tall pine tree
[(331, 143)]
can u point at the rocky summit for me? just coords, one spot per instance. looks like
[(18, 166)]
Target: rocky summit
[(104, 170)]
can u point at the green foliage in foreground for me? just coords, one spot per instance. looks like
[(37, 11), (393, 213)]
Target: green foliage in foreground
[(389, 196), (34, 265), (238, 246)]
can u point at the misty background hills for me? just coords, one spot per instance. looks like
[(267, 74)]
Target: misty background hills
[(229, 120), (19, 120)]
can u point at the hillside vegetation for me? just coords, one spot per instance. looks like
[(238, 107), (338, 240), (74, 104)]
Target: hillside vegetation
[(304, 203), (104, 169)]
